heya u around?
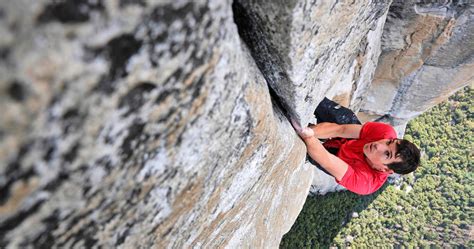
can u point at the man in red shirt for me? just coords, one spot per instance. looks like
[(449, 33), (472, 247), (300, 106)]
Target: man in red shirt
[(367, 154)]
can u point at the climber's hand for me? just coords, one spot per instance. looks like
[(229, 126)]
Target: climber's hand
[(305, 132)]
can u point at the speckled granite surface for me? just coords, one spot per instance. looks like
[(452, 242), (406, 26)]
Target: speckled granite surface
[(140, 124)]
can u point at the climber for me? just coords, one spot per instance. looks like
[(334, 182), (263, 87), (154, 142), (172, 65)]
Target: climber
[(364, 155)]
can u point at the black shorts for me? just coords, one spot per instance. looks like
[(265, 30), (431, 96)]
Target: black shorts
[(330, 111)]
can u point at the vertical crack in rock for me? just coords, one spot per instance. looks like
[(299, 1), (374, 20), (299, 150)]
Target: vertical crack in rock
[(264, 54), (302, 54)]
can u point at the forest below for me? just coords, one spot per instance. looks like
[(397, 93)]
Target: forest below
[(431, 208)]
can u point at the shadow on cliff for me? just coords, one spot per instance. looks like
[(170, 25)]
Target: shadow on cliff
[(270, 58), (323, 216)]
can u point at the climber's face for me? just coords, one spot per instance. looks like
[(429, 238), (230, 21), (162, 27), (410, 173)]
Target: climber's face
[(381, 153)]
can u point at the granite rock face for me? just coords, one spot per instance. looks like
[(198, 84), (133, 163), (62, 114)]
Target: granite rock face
[(140, 124), (165, 123), (428, 54), (308, 50)]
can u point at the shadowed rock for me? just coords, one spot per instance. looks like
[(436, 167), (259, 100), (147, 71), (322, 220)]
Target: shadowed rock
[(307, 51)]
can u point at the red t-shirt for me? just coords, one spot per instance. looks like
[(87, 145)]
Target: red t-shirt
[(360, 178)]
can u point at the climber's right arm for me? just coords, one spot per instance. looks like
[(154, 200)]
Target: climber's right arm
[(329, 130)]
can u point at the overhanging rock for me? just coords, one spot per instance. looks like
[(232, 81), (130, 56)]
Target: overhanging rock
[(304, 48), (139, 124)]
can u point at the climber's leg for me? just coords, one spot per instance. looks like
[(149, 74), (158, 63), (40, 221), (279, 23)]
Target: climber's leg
[(330, 111)]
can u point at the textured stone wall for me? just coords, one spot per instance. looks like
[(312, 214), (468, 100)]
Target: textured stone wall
[(428, 54), (311, 49), (140, 124), (165, 123)]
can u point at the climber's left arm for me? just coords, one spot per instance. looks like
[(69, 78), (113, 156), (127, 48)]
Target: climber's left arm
[(332, 164)]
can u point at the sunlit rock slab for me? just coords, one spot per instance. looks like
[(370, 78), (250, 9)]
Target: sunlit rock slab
[(427, 55)]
